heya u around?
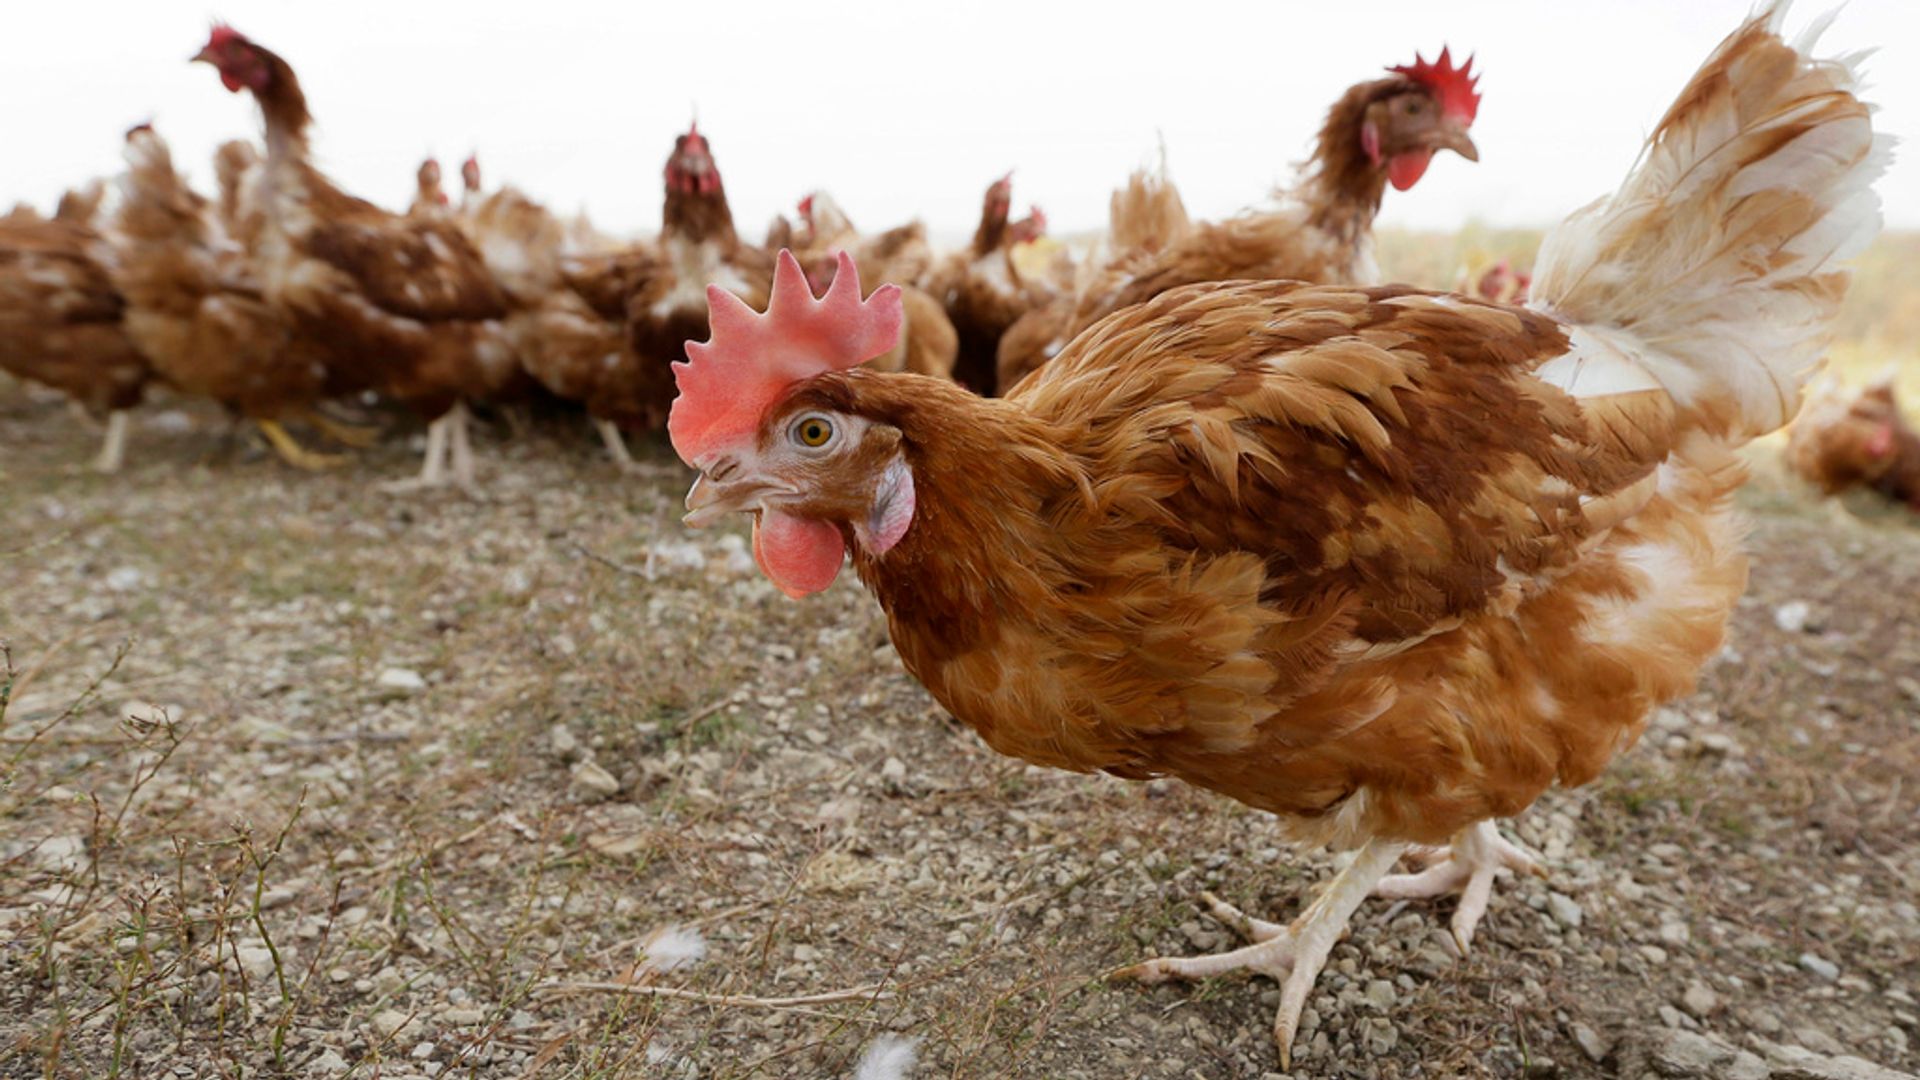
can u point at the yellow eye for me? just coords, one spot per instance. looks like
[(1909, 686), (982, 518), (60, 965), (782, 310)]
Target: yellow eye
[(813, 431)]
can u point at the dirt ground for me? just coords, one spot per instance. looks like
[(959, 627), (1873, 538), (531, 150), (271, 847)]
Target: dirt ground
[(302, 778)]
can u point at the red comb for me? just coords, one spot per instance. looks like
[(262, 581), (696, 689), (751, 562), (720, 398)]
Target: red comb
[(806, 206), (730, 380), (1452, 85), (224, 35)]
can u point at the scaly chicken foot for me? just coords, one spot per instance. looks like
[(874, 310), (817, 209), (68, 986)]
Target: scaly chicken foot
[(360, 438), (292, 452), (1294, 953), (461, 448), (113, 448), (1478, 853), (616, 445)]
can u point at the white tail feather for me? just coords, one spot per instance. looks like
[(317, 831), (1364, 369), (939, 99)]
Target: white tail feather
[(1718, 263)]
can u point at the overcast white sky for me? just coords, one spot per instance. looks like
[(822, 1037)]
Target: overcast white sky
[(900, 109)]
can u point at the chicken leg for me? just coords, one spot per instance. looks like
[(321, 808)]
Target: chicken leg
[(1468, 866), (433, 469), (616, 446), (292, 452), (461, 448), (1293, 953), (113, 449)]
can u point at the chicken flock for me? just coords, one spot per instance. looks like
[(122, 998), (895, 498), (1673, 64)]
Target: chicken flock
[(1386, 563)]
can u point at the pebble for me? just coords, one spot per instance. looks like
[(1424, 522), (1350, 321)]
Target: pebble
[(422, 1052), (1653, 954), (393, 1024), (1591, 1043), (125, 579), (1565, 910), (400, 682), (1792, 617), (1675, 933), (1381, 995), (464, 1017), (562, 742), (1380, 1036), (256, 961), (1821, 968), (593, 783), (329, 1062), (1700, 1000)]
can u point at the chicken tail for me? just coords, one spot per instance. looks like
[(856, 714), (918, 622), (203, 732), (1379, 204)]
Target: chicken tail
[(1717, 266)]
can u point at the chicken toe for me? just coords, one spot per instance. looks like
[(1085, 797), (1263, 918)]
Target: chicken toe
[(1478, 853), (1292, 954), (292, 452)]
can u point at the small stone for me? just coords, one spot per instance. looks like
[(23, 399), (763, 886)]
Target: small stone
[(400, 682), (1672, 1017), (593, 783), (893, 771), (807, 954), (1818, 1041), (563, 744), (1591, 1043), (466, 1016), (1381, 1036), (1819, 967), (1675, 933), (1653, 954), (125, 579), (1565, 910), (256, 961), (422, 1052), (520, 1020), (60, 854), (1792, 617), (1700, 1000), (339, 975), (329, 1062), (393, 1024), (1381, 995)]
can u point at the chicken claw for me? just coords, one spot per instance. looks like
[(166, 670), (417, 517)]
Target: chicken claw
[(360, 438), (292, 452), (1478, 853), (1292, 954)]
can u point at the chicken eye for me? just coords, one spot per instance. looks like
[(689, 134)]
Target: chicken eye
[(813, 431)]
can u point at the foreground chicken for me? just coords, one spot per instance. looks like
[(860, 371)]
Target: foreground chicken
[(402, 305), (61, 319), (1385, 562), (1846, 438), (1380, 132)]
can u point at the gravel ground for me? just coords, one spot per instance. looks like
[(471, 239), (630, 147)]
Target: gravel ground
[(301, 778)]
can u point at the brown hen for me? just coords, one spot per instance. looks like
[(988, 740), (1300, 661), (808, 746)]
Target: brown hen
[(403, 305), (1380, 132), (1384, 562)]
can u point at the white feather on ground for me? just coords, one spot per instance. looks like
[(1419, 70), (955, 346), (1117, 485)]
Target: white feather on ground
[(889, 1058), (671, 948)]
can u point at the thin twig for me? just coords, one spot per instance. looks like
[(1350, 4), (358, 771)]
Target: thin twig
[(624, 568), (431, 853), (870, 992)]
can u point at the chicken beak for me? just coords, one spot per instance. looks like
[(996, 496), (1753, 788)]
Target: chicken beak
[(709, 500), (1452, 136), (204, 56)]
